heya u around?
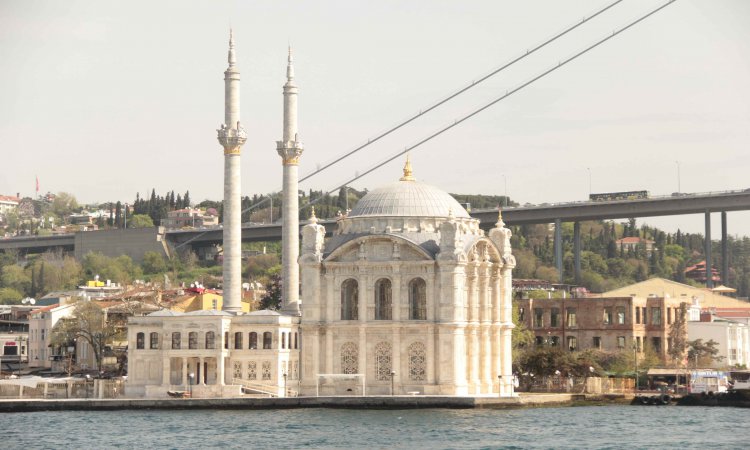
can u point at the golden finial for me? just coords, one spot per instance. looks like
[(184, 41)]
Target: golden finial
[(313, 219), (407, 171), (499, 222)]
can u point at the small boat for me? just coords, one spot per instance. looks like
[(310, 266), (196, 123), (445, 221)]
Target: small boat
[(179, 394)]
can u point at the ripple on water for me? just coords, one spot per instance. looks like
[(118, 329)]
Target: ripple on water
[(601, 427)]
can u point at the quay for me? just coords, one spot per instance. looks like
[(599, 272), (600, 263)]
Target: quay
[(367, 402)]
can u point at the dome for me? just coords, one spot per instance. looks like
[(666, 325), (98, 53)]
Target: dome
[(408, 198)]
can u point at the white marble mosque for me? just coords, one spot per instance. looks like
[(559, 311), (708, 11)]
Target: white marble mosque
[(409, 296)]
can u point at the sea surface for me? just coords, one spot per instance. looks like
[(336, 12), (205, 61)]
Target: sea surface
[(596, 427)]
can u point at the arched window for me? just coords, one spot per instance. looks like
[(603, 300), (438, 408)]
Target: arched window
[(226, 340), (253, 340), (210, 340), (267, 340), (383, 360), (289, 340), (295, 341), (176, 340), (154, 337), (417, 362), (140, 340), (417, 299), (238, 340), (349, 358), (283, 339), (383, 306), (349, 299), (193, 340)]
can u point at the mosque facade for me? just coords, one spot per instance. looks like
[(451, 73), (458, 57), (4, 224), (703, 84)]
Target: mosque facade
[(409, 296)]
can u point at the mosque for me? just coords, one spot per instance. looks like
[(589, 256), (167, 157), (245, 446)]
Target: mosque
[(409, 296)]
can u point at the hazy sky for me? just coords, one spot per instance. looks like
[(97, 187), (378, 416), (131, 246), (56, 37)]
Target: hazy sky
[(106, 99)]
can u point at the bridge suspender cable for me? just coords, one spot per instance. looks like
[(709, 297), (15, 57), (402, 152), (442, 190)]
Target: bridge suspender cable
[(477, 111), (424, 111), (506, 95), (459, 92)]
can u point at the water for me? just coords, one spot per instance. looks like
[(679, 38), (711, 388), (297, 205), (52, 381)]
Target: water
[(600, 427)]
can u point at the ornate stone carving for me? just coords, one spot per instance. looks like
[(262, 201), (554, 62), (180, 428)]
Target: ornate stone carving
[(290, 152), (232, 139)]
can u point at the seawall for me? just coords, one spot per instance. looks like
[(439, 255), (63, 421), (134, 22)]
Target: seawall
[(369, 402)]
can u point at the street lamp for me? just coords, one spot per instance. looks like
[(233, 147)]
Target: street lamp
[(190, 381), (285, 375), (635, 358), (88, 379), (393, 374), (589, 170), (679, 188)]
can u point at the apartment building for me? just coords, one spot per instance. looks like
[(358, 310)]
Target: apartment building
[(606, 323)]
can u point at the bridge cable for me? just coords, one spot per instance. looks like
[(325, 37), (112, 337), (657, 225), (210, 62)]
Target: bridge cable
[(473, 113), (459, 92), (493, 102), (424, 111)]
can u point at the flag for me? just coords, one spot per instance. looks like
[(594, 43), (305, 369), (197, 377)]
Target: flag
[(37, 184)]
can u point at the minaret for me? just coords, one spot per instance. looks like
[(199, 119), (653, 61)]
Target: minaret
[(290, 149), (232, 136)]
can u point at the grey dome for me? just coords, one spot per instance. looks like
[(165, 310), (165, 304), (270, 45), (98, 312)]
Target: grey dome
[(408, 198)]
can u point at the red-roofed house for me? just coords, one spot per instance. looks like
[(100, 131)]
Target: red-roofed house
[(698, 273), (8, 204)]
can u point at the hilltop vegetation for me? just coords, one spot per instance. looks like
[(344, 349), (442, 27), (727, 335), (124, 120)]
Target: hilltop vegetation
[(604, 264)]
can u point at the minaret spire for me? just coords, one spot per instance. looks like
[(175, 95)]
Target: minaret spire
[(290, 150), (231, 58), (232, 136), (290, 66)]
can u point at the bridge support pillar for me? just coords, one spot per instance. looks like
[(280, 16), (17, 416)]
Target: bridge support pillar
[(724, 250), (558, 248), (707, 251), (577, 250)]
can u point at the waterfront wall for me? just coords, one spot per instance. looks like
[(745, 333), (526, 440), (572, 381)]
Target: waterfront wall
[(375, 402)]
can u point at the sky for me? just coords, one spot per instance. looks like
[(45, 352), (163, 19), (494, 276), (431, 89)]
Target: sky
[(105, 99)]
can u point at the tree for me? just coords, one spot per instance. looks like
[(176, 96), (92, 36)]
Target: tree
[(88, 322), (64, 204), (14, 277), (10, 296), (119, 270), (272, 298), (118, 214), (153, 263), (521, 337), (703, 354), (140, 221), (678, 335)]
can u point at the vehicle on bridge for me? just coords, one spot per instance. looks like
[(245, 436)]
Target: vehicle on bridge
[(612, 196)]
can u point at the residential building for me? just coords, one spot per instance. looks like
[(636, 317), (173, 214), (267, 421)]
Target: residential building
[(633, 243), (41, 323), (605, 323), (8, 204), (660, 287), (189, 217), (732, 338)]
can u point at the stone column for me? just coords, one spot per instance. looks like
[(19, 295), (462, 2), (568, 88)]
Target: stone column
[(329, 350)]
